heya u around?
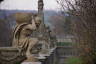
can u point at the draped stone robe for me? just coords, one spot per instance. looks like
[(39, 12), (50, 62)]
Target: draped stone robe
[(22, 38)]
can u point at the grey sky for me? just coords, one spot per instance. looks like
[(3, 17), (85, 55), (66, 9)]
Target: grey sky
[(28, 5)]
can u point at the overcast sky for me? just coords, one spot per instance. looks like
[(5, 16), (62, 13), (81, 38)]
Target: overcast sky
[(28, 5)]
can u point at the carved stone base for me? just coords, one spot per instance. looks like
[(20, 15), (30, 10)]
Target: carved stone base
[(31, 63), (10, 55)]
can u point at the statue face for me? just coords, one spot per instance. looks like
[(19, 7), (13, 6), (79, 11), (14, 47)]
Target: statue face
[(37, 21)]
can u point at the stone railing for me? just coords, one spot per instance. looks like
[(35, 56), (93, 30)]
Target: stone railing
[(11, 55), (48, 58)]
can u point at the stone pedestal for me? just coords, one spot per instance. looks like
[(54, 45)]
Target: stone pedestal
[(10, 55), (31, 63)]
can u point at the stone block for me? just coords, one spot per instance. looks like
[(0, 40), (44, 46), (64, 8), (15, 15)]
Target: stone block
[(31, 63)]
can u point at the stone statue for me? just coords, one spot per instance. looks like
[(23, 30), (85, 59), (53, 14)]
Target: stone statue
[(25, 43), (45, 39), (26, 24), (50, 38)]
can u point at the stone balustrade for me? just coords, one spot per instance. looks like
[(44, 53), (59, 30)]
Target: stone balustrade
[(10, 55), (48, 58)]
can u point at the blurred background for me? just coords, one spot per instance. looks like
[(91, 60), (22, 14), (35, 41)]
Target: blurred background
[(72, 21)]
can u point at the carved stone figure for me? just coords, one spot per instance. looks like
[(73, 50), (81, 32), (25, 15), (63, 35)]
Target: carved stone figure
[(50, 38), (24, 44), (26, 24), (45, 40)]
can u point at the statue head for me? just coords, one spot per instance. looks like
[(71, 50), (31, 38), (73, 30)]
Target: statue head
[(37, 20), (29, 22)]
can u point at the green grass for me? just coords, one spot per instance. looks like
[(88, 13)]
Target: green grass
[(64, 43), (74, 60)]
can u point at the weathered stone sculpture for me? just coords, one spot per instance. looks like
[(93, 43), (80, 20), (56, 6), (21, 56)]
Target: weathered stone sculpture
[(47, 41), (22, 34), (28, 38), (24, 45)]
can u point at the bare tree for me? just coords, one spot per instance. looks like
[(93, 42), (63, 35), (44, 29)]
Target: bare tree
[(84, 28), (60, 24)]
